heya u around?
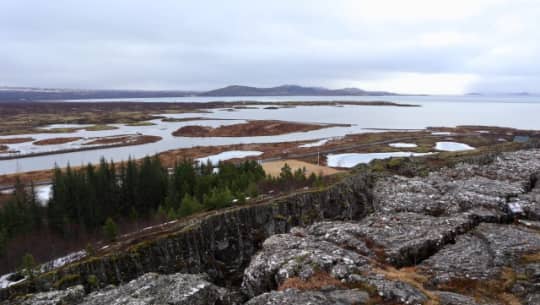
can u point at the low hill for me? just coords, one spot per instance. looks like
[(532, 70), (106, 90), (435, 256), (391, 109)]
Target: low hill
[(290, 90)]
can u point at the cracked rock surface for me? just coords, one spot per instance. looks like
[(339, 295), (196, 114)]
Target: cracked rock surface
[(468, 235), (149, 289)]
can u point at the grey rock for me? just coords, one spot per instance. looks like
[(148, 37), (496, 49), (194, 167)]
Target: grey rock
[(288, 255), (533, 272), (398, 291), (70, 296), (296, 297), (480, 254), (450, 298), (408, 238), (533, 299), (154, 289), (483, 189)]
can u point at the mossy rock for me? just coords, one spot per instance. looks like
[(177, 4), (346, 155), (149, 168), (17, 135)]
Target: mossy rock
[(67, 280)]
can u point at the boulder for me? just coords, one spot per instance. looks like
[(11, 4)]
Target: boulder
[(296, 297)]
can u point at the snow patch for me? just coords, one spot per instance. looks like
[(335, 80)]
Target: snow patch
[(227, 155), (43, 193), (403, 145), (352, 159), (59, 262), (441, 133), (452, 146), (5, 280), (314, 144)]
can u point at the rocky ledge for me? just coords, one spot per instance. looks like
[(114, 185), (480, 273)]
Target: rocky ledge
[(467, 235)]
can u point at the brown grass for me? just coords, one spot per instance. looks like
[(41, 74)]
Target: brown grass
[(55, 141), (410, 276), (531, 258), (108, 140), (274, 168), (249, 129), (486, 290), (16, 140), (317, 281)]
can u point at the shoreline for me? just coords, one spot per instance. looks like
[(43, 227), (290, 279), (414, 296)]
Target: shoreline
[(146, 140), (356, 143)]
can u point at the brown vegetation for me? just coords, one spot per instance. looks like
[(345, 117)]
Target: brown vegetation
[(273, 168), (410, 276), (486, 290), (55, 141), (24, 118), (350, 143), (193, 119), (250, 129), (317, 281), (131, 140), (16, 140)]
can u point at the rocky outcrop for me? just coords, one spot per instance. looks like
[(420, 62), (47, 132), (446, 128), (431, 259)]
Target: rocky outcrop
[(446, 238), (336, 297), (343, 249), (149, 289), (482, 253), (466, 235), (220, 245), (71, 295), (481, 190)]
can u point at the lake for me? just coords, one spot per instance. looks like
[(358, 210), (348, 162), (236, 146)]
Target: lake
[(516, 112)]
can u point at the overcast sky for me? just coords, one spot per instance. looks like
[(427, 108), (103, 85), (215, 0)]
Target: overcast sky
[(412, 46)]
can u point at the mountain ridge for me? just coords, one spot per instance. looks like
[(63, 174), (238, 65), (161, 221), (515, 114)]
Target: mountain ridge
[(36, 94)]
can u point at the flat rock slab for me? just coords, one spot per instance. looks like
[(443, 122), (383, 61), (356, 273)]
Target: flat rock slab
[(348, 251), (480, 254), (72, 295), (466, 187), (286, 256), (152, 288), (408, 238), (450, 298), (296, 297)]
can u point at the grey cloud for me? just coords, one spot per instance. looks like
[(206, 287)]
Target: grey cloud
[(206, 44)]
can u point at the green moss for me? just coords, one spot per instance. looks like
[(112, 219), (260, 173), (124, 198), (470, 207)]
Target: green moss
[(92, 281), (140, 123), (67, 281), (280, 217), (58, 130), (100, 127)]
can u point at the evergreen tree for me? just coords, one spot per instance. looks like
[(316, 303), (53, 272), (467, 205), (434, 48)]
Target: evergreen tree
[(189, 206), (110, 230), (286, 173), (28, 265)]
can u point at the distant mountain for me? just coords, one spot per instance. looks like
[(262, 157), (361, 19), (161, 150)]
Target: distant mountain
[(40, 94), (289, 90), (33, 94)]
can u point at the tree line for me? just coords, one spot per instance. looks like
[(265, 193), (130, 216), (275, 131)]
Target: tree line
[(93, 198)]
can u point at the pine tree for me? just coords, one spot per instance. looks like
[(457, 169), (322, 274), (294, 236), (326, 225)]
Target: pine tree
[(110, 230), (286, 173), (28, 265), (189, 206)]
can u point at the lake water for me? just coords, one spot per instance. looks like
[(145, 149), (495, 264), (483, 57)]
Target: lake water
[(517, 112)]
